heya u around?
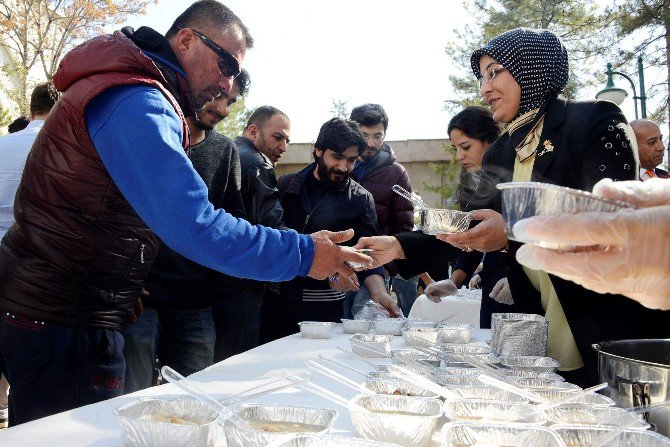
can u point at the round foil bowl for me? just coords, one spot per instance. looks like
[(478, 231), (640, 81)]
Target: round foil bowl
[(521, 200), (316, 329), (356, 326)]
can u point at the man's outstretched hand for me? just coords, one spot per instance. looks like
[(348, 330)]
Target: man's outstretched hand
[(329, 258)]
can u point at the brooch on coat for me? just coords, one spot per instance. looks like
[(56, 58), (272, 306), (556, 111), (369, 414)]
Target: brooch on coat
[(548, 147)]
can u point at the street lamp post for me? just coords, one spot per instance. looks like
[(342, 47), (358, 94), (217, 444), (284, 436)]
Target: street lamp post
[(617, 95)]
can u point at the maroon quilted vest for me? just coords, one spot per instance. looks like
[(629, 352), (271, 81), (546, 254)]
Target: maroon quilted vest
[(78, 254)]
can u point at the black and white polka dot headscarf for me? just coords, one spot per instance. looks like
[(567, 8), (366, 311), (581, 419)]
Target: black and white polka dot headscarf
[(537, 60)]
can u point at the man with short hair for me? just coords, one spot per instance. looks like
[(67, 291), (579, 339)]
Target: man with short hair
[(108, 178), (245, 323), (377, 171), (650, 148), (14, 149), (263, 142), (177, 322), (322, 196)]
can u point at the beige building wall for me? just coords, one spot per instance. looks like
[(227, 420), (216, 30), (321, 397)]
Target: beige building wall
[(414, 155)]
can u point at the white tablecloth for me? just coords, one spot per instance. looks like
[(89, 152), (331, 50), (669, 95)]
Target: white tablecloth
[(95, 425), (469, 308)]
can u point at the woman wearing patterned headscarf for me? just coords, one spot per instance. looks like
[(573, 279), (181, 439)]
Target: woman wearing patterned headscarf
[(547, 138)]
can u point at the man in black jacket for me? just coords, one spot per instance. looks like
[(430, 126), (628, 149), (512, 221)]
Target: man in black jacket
[(263, 142), (324, 197), (177, 322)]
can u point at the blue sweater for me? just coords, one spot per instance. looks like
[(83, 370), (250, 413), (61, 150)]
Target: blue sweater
[(138, 136)]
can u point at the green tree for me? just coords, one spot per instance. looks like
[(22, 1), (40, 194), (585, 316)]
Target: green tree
[(339, 109), (449, 174), (645, 26), (233, 125), (5, 119), (39, 32), (585, 29)]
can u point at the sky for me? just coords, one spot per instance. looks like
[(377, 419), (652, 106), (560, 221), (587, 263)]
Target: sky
[(308, 53)]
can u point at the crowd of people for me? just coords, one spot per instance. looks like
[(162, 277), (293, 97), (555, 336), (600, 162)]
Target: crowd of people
[(135, 233)]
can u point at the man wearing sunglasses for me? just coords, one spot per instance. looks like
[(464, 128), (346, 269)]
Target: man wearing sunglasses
[(107, 180)]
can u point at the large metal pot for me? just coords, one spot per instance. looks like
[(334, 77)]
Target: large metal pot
[(637, 373)]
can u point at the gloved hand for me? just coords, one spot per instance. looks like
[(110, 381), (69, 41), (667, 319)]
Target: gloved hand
[(438, 290), (501, 292), (637, 259), (475, 282)]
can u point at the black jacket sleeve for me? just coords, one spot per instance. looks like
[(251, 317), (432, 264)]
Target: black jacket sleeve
[(423, 252), (262, 197)]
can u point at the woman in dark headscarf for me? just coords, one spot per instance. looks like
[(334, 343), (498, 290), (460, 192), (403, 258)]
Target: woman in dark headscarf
[(548, 139)]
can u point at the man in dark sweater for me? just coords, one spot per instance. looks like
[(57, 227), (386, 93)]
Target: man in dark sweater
[(322, 196), (176, 323)]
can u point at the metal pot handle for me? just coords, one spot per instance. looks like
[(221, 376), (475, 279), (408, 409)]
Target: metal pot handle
[(596, 347)]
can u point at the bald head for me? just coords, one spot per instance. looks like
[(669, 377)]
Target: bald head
[(649, 143)]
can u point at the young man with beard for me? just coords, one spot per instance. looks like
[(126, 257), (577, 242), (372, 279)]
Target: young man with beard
[(263, 142), (377, 171), (324, 197), (107, 179), (177, 322)]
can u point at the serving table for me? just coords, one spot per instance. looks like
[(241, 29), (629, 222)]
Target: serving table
[(96, 426)]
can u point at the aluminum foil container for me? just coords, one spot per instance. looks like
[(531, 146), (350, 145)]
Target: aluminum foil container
[(272, 423), (356, 326), (493, 412), (527, 374), (408, 421), (521, 200), (413, 323), (420, 336), (463, 434), (518, 334), (437, 221), (584, 436), (156, 422), (542, 383), (450, 380), (410, 353), (579, 414), (530, 363), (461, 360), (593, 399), (397, 387), (488, 393), (389, 326), (464, 349), (455, 333), (316, 329), (456, 371), (332, 441), (373, 346)]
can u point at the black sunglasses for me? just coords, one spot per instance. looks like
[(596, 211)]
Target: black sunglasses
[(228, 65)]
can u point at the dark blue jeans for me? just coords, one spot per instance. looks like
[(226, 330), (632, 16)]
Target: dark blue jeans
[(237, 318), (182, 339), (54, 368)]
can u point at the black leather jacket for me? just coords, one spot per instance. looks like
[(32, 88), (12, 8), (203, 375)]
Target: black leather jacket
[(259, 186)]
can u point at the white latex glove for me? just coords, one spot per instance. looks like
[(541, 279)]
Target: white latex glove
[(637, 261), (439, 289), (475, 282), (501, 292)]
